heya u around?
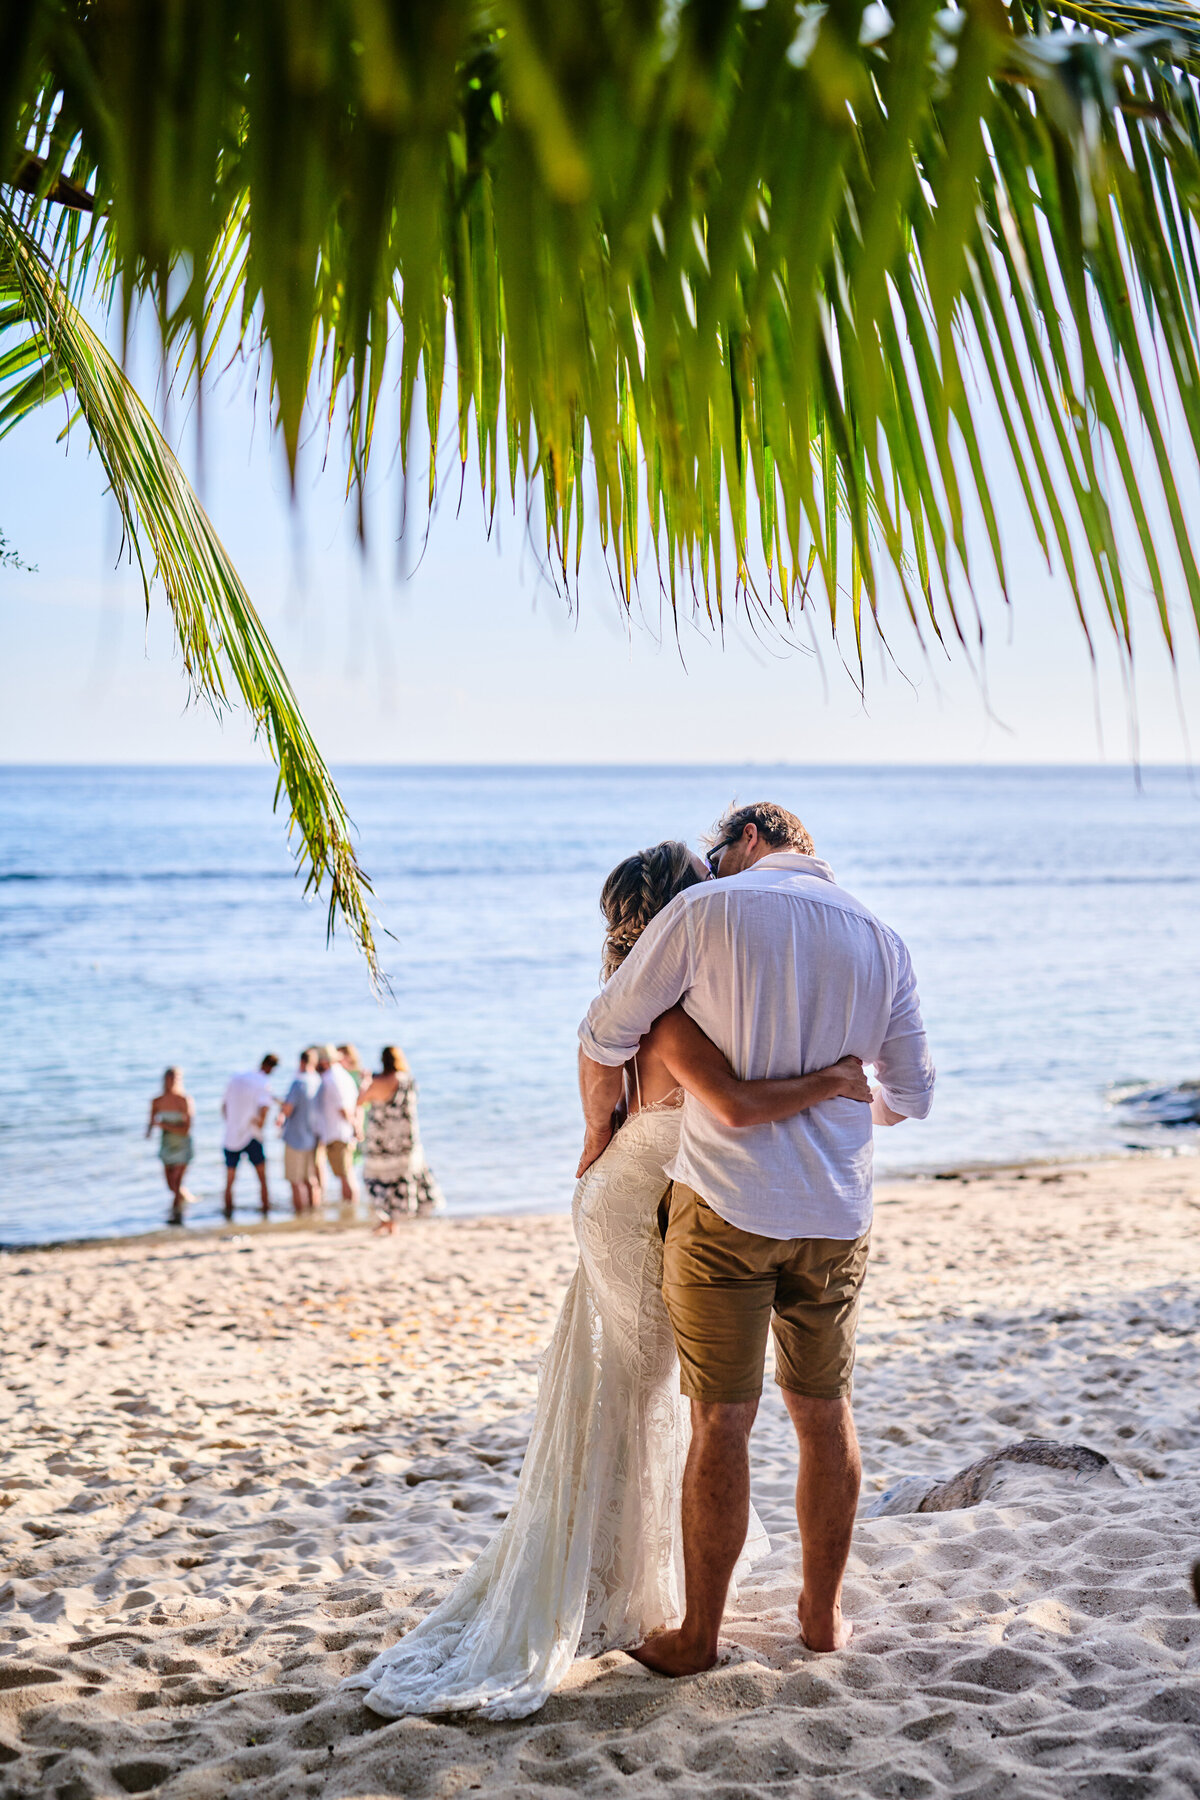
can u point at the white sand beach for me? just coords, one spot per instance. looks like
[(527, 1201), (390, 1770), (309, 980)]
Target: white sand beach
[(234, 1466)]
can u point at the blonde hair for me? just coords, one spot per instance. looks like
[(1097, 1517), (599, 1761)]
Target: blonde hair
[(637, 889)]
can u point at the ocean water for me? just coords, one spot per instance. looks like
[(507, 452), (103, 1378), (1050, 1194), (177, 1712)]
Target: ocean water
[(150, 916)]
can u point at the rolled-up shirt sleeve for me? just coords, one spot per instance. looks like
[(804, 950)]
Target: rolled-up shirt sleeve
[(904, 1065), (654, 976)]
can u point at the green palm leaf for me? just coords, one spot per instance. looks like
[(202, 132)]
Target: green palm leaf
[(48, 349), (690, 256)]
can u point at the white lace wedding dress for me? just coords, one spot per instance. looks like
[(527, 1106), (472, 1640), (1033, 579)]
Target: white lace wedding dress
[(590, 1557)]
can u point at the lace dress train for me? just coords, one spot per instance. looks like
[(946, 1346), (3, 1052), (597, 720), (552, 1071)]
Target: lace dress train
[(590, 1556)]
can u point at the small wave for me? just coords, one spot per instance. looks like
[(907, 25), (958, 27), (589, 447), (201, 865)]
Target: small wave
[(447, 871), (1029, 878), (113, 877), (1178, 1105)]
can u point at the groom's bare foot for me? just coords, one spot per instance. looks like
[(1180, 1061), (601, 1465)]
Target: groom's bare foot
[(667, 1653), (823, 1633)]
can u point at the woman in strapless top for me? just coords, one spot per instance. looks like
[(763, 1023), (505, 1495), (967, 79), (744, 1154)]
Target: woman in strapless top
[(173, 1112)]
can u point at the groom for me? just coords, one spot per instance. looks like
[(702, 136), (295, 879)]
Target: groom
[(770, 1224)]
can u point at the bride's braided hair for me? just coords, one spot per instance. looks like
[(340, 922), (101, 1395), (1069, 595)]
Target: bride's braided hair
[(638, 888)]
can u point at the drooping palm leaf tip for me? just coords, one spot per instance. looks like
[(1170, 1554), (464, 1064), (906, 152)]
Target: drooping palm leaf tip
[(219, 633)]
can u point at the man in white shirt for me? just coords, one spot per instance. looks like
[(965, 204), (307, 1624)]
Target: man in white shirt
[(335, 1109), (769, 1225), (248, 1099)]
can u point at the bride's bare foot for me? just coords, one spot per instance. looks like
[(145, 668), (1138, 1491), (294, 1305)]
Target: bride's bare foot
[(823, 1633), (667, 1654)]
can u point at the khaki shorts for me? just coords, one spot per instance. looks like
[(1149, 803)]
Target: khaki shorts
[(340, 1156), (723, 1287), (299, 1166)]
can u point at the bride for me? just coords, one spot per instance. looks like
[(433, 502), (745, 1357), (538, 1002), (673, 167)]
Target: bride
[(589, 1558)]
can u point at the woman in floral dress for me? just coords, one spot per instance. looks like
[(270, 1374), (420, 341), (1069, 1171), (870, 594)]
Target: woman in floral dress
[(398, 1180)]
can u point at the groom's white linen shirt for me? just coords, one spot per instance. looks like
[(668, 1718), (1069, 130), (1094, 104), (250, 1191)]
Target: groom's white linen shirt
[(787, 973)]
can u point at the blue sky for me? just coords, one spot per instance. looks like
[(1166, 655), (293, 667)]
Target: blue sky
[(472, 657)]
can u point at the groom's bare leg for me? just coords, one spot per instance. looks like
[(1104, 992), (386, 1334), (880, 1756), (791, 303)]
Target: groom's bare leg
[(826, 1500), (716, 1511)]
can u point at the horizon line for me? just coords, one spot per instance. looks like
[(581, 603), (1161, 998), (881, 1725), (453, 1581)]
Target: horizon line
[(1127, 766)]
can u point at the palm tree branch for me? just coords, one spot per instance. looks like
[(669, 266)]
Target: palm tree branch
[(222, 641)]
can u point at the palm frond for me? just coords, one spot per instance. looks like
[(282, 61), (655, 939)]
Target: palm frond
[(755, 276), (47, 349)]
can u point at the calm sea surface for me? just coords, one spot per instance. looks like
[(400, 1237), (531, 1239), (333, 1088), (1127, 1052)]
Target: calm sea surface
[(150, 916)]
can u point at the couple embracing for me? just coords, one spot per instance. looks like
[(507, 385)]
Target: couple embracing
[(724, 1190)]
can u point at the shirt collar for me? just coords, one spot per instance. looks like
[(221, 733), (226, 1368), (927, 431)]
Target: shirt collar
[(795, 864)]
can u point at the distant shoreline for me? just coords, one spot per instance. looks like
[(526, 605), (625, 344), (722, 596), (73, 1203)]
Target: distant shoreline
[(1123, 767), (216, 1230)]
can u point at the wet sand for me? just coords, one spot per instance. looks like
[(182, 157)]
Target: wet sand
[(233, 1467)]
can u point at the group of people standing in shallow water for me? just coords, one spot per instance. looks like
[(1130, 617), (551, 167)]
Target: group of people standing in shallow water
[(333, 1119)]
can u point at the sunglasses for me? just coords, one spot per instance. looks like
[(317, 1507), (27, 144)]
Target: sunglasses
[(713, 859)]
